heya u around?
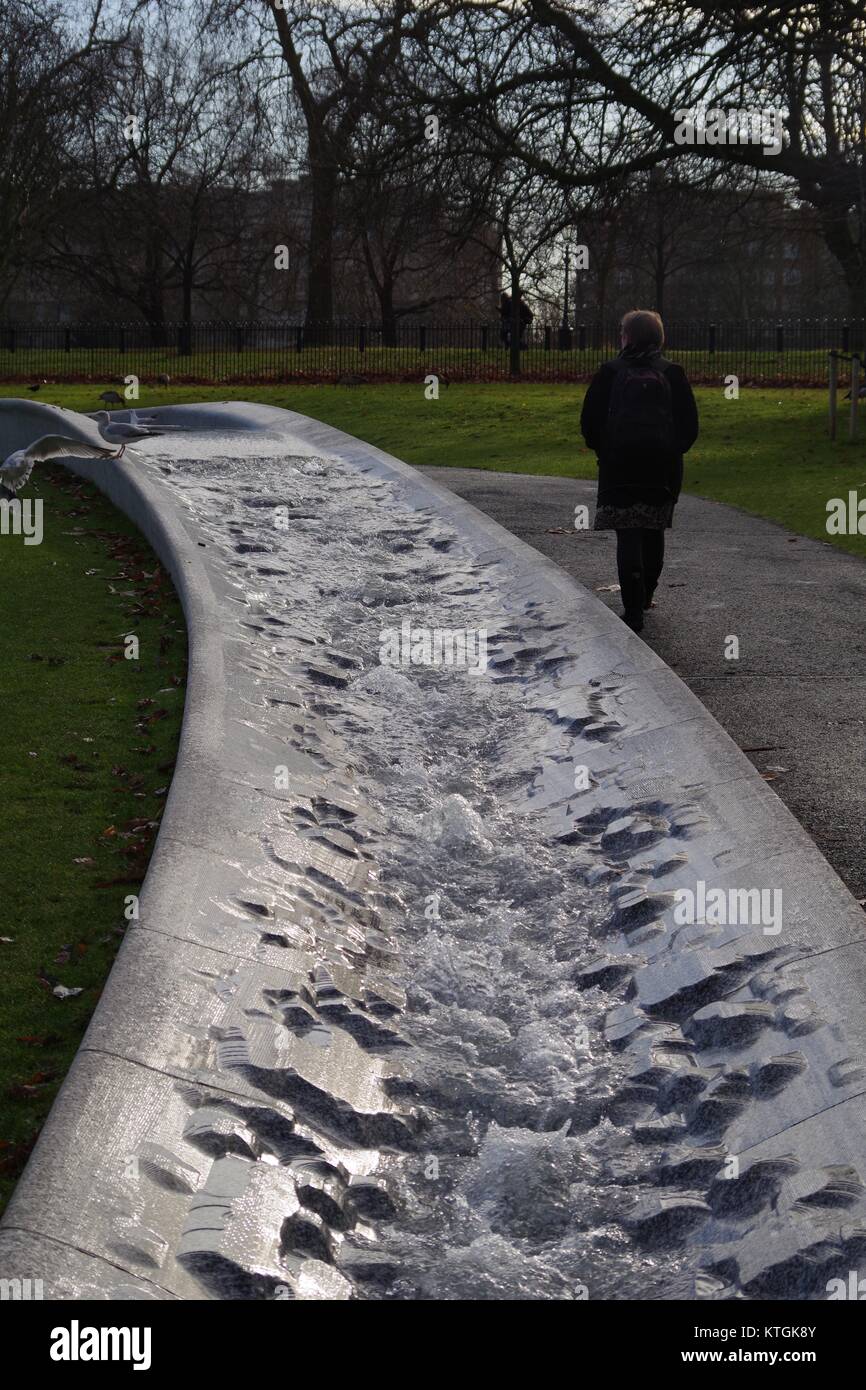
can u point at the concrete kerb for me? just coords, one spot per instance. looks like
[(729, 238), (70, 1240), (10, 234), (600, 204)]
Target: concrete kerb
[(120, 1065)]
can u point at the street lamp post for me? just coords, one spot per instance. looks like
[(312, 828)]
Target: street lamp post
[(565, 330)]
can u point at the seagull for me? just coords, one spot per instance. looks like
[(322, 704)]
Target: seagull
[(17, 468), (122, 432)]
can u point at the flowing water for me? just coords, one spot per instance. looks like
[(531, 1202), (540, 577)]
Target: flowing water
[(520, 1177)]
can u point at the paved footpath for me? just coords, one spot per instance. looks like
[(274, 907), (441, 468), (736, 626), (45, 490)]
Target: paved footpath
[(795, 701)]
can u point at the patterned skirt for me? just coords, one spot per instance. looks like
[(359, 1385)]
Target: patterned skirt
[(648, 516)]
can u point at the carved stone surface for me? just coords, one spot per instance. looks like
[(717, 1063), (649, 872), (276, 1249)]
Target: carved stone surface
[(302, 1081)]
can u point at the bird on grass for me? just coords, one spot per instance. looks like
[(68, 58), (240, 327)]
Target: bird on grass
[(111, 398), (122, 432), (37, 385), (163, 379), (861, 394), (16, 469)]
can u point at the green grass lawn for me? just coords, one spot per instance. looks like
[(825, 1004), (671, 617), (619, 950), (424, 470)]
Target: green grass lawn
[(89, 743), (767, 452)]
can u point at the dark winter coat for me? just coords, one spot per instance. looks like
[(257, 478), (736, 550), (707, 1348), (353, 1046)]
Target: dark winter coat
[(661, 475)]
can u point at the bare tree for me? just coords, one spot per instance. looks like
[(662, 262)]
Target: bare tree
[(165, 188), (49, 66), (339, 61), (809, 60)]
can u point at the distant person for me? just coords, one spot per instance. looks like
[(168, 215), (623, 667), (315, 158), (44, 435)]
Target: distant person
[(640, 417), (526, 317)]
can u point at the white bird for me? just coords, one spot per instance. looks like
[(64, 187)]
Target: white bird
[(17, 468), (122, 432)]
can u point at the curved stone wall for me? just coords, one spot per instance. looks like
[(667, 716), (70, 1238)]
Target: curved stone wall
[(281, 1069)]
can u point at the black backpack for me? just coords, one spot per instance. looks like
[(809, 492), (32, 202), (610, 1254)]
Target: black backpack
[(640, 417)]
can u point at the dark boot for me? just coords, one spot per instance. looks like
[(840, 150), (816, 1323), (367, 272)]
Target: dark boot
[(634, 599), (634, 621)]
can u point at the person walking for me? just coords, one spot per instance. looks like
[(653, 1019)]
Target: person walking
[(639, 416)]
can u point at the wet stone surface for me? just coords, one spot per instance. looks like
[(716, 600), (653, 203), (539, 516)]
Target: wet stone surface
[(413, 1016), (497, 952)]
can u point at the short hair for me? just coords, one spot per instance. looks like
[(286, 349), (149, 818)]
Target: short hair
[(643, 328)]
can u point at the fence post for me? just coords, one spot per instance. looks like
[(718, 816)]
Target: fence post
[(846, 338), (484, 337), (779, 339), (422, 338), (712, 345), (11, 339), (855, 396), (67, 340), (239, 340), (299, 339), (581, 337), (362, 337), (833, 380), (121, 340), (547, 339)]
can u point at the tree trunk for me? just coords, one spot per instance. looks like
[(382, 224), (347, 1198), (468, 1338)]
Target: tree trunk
[(659, 278), (154, 307), (389, 327), (187, 290), (850, 253), (320, 256), (515, 327)]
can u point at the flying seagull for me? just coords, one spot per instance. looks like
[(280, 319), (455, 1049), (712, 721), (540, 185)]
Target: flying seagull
[(18, 466), (122, 432)]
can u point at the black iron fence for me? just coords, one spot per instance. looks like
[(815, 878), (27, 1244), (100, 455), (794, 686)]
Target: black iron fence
[(788, 352)]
